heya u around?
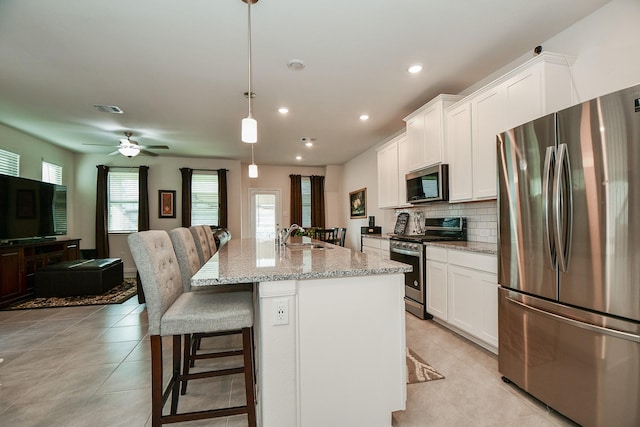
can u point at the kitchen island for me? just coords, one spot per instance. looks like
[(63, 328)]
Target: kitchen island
[(330, 330)]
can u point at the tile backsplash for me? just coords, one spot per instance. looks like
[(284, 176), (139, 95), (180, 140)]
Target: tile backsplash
[(482, 218)]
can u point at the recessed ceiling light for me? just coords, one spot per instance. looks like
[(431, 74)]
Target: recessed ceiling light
[(298, 157), (415, 69), (364, 117), (283, 110), (295, 64)]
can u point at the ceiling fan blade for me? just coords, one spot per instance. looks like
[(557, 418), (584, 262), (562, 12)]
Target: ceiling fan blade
[(100, 145), (155, 147), (114, 153), (148, 153)]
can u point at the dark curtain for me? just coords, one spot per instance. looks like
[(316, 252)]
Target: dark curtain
[(186, 196), (296, 199), (143, 198), (222, 198), (317, 201), (143, 215), (102, 233)]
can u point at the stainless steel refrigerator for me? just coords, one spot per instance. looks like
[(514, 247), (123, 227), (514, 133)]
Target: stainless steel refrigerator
[(569, 259)]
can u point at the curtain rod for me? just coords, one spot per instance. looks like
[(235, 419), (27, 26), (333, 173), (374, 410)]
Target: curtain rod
[(209, 170), (125, 167)]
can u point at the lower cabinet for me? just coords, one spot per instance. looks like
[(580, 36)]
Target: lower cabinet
[(375, 246), (462, 293)]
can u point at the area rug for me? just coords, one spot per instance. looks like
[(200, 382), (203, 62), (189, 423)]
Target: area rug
[(116, 295), (419, 371)]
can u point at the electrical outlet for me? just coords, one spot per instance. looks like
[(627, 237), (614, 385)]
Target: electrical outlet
[(281, 312)]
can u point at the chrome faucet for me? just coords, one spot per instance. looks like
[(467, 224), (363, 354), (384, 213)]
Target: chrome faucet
[(287, 234)]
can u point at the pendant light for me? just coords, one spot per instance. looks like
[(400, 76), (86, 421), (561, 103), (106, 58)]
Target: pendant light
[(253, 168), (249, 124)]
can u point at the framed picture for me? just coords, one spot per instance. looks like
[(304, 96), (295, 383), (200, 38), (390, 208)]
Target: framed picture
[(26, 204), (167, 203), (358, 203)]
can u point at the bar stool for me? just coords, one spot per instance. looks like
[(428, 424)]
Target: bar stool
[(173, 312), (189, 263), (202, 243)]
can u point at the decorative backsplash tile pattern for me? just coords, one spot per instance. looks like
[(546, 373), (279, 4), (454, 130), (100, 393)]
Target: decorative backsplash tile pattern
[(482, 218)]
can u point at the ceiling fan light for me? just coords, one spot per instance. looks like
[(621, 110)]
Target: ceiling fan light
[(249, 130), (129, 150), (253, 170)]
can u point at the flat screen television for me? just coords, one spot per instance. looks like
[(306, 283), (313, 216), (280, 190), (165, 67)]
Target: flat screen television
[(31, 209)]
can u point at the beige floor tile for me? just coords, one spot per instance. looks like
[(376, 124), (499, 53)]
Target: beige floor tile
[(51, 413), (121, 409)]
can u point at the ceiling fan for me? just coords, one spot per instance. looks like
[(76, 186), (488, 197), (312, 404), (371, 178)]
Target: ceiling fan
[(130, 148)]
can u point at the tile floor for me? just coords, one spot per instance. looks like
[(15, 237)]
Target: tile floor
[(89, 366)]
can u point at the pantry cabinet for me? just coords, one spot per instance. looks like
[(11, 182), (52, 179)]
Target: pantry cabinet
[(538, 87)]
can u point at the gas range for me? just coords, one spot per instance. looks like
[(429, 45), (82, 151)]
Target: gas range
[(436, 229)]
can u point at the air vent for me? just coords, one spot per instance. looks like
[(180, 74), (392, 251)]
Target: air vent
[(109, 109)]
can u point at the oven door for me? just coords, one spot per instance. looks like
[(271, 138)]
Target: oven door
[(414, 280)]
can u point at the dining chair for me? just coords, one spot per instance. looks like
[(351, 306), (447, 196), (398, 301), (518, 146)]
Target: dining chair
[(202, 243), (175, 313), (342, 234), (326, 235)]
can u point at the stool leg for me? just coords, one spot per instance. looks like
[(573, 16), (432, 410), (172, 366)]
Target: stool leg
[(249, 378), (187, 361), (175, 377), (156, 380), (195, 346)]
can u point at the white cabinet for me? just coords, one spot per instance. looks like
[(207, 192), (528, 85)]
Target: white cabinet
[(436, 267), (375, 246), (426, 133), (462, 293), (459, 137), (392, 157), (540, 86), (488, 118), (472, 298)]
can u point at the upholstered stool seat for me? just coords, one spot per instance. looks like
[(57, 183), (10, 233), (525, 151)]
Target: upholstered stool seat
[(200, 312)]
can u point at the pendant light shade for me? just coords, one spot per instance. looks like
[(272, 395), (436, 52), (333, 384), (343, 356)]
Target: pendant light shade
[(249, 130), (253, 168)]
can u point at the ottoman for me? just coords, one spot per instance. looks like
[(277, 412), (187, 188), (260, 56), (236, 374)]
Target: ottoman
[(82, 277)]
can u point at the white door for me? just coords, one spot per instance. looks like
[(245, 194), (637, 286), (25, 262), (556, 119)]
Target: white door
[(266, 213)]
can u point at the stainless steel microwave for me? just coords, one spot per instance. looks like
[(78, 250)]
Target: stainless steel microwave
[(428, 185)]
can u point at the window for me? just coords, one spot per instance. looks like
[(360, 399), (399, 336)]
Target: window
[(9, 163), (204, 199), (123, 201), (51, 173), (306, 201)]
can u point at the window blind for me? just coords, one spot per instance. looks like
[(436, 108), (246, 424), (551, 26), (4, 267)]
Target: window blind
[(51, 173), (306, 201), (9, 163), (204, 199), (123, 201)]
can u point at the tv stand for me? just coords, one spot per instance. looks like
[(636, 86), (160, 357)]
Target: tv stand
[(20, 260), (31, 240)]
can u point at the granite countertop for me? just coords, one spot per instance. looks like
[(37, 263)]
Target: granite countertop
[(251, 260), (481, 247), (376, 236)]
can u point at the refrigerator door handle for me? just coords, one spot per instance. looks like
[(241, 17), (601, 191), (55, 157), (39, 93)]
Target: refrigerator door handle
[(547, 178), (589, 327), (563, 207)]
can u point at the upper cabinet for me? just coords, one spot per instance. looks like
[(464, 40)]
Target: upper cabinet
[(540, 86), (392, 158), (426, 143)]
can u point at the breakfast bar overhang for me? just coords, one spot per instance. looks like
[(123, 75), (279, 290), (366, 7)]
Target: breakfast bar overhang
[(330, 330)]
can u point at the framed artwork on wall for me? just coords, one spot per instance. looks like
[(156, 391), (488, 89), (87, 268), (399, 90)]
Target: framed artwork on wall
[(166, 203), (358, 203)]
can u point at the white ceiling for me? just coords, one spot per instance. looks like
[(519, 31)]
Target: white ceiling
[(178, 68)]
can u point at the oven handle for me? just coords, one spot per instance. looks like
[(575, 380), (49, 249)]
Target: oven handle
[(405, 252)]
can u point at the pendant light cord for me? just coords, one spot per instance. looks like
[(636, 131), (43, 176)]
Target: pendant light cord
[(252, 162), (249, 33)]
